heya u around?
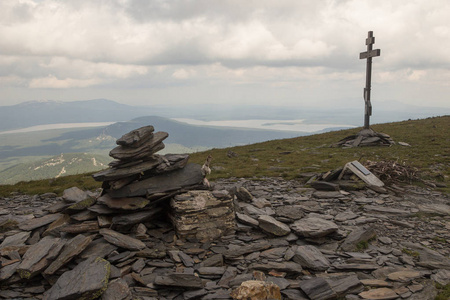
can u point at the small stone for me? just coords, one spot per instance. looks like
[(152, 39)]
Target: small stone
[(404, 276), (74, 195), (311, 258), (314, 227), (179, 280), (255, 289), (121, 240), (272, 226), (317, 289), (379, 294)]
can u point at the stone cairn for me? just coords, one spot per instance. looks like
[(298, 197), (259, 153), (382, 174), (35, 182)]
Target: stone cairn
[(141, 179), (364, 138)]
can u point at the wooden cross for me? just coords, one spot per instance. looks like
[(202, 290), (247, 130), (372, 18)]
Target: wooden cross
[(363, 55)]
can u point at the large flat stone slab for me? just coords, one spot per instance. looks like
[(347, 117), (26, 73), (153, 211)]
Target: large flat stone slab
[(121, 240), (313, 227), (38, 222), (146, 149), (180, 280), (311, 258), (189, 176), (132, 203), (71, 249), (39, 256), (272, 226), (88, 280)]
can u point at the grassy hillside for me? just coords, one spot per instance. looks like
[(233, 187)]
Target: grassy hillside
[(429, 152), (54, 167)]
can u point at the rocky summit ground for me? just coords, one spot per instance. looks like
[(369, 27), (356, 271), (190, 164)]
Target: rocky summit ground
[(311, 244)]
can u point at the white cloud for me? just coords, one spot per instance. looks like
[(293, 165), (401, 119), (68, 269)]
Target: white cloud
[(287, 44)]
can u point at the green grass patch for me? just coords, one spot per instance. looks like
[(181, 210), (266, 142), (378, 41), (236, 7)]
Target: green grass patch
[(57, 185), (410, 252), (444, 291)]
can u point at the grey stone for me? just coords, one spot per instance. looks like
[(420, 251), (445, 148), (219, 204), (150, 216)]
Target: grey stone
[(8, 271), (317, 289), (179, 280), (313, 227), (272, 226), (185, 178), (71, 249), (38, 222), (311, 258), (235, 251), (136, 218), (150, 146), (88, 280), (242, 194), (74, 195), (17, 239), (136, 137), (245, 219), (39, 256), (293, 212), (121, 240), (356, 236), (324, 186), (133, 203), (288, 266), (117, 290)]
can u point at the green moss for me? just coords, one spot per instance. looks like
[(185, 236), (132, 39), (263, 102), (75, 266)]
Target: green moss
[(363, 245), (444, 292), (82, 204), (8, 225), (439, 239), (410, 252)]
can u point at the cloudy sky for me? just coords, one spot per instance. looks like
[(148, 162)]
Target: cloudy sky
[(274, 52)]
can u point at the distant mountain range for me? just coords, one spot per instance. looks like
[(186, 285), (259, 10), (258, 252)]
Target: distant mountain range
[(34, 113)]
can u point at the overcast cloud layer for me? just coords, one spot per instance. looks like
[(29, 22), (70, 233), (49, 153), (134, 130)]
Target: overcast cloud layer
[(283, 52)]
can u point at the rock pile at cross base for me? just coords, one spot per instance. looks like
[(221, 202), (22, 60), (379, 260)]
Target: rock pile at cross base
[(290, 242), (365, 138)]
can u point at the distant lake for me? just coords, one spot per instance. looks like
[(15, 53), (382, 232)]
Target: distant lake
[(57, 126), (286, 125)]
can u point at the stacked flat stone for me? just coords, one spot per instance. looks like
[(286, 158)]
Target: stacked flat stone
[(203, 215), (364, 138), (139, 172), (139, 181)]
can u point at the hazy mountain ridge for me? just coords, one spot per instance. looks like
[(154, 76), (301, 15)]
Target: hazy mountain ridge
[(34, 113), (54, 167)]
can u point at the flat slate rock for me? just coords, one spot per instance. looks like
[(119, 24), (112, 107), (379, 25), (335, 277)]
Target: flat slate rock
[(180, 280), (132, 203), (136, 137), (135, 218), (71, 249), (310, 257), (235, 251), (74, 195), (38, 222), (121, 240), (379, 294), (88, 280), (314, 227), (118, 173), (272, 226), (191, 175), (17, 239), (117, 290), (39, 256), (317, 289), (146, 149), (356, 236), (293, 212), (288, 267)]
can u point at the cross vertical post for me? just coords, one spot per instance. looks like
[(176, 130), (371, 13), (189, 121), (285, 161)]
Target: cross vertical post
[(368, 55)]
